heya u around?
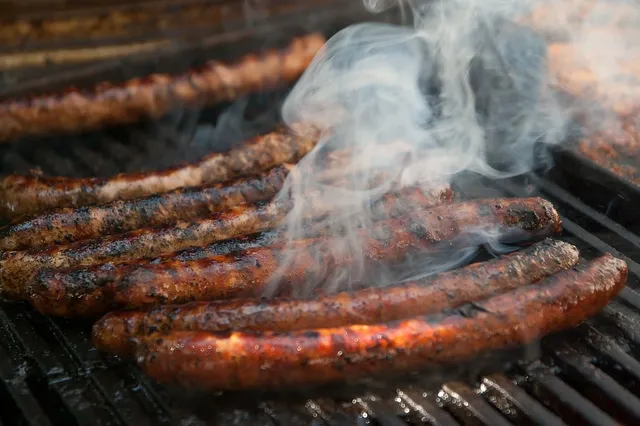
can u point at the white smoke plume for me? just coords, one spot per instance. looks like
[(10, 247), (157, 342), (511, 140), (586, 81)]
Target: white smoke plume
[(462, 86)]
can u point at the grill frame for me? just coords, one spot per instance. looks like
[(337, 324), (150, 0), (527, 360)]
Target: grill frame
[(51, 375)]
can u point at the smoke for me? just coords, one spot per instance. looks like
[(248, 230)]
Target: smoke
[(461, 87)]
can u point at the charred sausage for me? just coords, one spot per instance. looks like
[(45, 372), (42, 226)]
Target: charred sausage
[(157, 94), (33, 194), (66, 225), (233, 361), (94, 290), (16, 267), (115, 331)]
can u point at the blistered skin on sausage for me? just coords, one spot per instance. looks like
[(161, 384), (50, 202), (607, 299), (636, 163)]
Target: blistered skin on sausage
[(91, 291), (235, 361), (66, 225), (26, 195), (116, 332), (17, 267), (157, 94)]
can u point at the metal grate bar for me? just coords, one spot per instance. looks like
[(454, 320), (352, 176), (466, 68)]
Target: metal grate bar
[(469, 407), (584, 209), (601, 388), (630, 297), (374, 407), (563, 399), (15, 396), (289, 414), (93, 161), (624, 318), (112, 387), (623, 365), (332, 412), (59, 392), (422, 409), (515, 403)]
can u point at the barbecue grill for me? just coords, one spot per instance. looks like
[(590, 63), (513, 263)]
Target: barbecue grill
[(50, 374)]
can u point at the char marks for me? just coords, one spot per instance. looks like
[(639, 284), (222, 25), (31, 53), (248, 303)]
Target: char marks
[(245, 360), (116, 331)]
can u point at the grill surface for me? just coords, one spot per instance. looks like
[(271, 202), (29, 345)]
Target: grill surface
[(50, 374)]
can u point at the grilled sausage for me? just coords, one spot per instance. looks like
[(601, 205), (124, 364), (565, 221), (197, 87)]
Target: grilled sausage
[(573, 74), (17, 267), (115, 331), (32, 194), (157, 94), (67, 225), (94, 290), (232, 361)]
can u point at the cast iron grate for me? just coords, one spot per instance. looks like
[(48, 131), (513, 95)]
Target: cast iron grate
[(50, 374)]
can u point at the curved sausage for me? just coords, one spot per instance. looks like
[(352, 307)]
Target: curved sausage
[(116, 331), (33, 194), (155, 95), (95, 290), (234, 361), (17, 267), (66, 225)]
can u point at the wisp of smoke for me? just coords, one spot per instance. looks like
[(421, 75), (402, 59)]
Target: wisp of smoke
[(462, 89)]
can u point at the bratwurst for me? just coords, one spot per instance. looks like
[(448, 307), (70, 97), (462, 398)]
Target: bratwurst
[(117, 331), (155, 95), (20, 194), (245, 360), (95, 290), (66, 225), (17, 267)]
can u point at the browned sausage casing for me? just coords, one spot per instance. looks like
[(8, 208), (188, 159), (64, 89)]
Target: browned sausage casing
[(17, 267), (33, 194), (232, 361), (67, 225), (95, 290), (117, 331), (157, 94)]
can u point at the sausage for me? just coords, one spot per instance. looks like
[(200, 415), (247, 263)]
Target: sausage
[(115, 331), (563, 19), (22, 194), (17, 267), (254, 360), (94, 290), (67, 225), (574, 75), (155, 95)]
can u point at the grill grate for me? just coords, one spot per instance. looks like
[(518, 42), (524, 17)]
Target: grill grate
[(50, 374)]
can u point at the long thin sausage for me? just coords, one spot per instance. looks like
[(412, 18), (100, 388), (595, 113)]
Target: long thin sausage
[(17, 267), (223, 361), (22, 195), (66, 225), (157, 94), (116, 331), (95, 290)]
